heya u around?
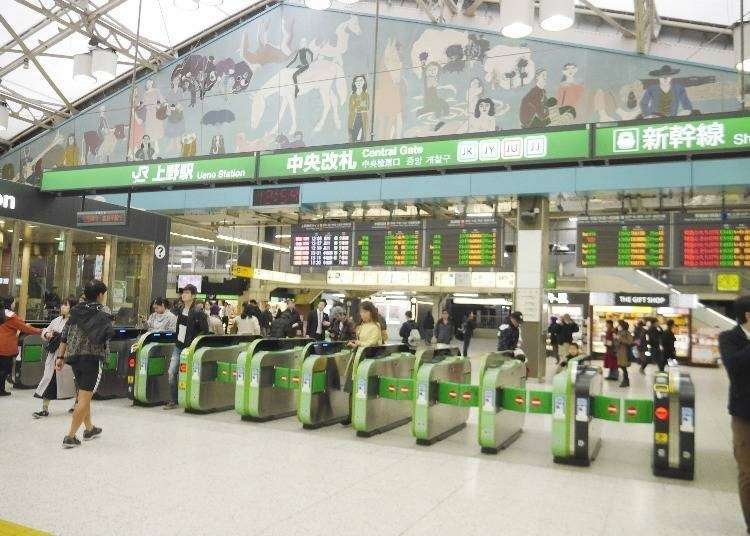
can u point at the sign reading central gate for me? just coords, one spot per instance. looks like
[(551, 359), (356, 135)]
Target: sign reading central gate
[(151, 174), (487, 150)]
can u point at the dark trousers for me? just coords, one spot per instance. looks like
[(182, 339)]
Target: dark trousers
[(467, 340), (625, 376), (6, 367), (741, 444)]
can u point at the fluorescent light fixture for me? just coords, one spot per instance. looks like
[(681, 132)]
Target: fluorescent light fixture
[(186, 260), (57, 238), (573, 219), (741, 57), (556, 15), (283, 236), (516, 18), (281, 277), (100, 238), (465, 295), (10, 230), (32, 226), (186, 252), (480, 214), (482, 301), (262, 245), (104, 63), (82, 67), (192, 237), (4, 115)]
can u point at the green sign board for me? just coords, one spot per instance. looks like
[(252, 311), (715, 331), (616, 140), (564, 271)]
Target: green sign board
[(679, 136), (151, 174), (488, 150)]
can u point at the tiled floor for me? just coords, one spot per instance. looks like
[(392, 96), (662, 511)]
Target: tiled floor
[(160, 473)]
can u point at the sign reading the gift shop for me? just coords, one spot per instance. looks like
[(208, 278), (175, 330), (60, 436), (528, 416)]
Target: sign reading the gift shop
[(647, 300), (488, 150), (710, 134), (151, 174)]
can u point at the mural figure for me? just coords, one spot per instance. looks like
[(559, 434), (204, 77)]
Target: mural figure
[(156, 112), (234, 76), (665, 98), (196, 75), (483, 119), (437, 44), (335, 51), (31, 167), (189, 145), (476, 49), (359, 110), (302, 58), (137, 116), (267, 53), (175, 126), (534, 112), (390, 94), (71, 154), (99, 144), (145, 150), (508, 67), (432, 103), (570, 92), (217, 145)]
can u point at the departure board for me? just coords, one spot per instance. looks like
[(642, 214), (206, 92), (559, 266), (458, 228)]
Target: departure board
[(322, 244), (634, 241), (389, 243), (463, 242), (710, 240)]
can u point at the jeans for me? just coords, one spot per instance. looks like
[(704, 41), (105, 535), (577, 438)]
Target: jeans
[(427, 335), (174, 374)]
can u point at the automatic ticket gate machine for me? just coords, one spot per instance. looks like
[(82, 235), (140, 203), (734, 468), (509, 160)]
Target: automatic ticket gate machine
[(576, 435), (207, 372), (384, 388), (148, 368), (326, 376), (674, 425), (443, 394), (114, 378), (30, 360), (268, 378), (500, 378)]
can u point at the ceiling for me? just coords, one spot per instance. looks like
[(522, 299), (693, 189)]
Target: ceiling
[(38, 39)]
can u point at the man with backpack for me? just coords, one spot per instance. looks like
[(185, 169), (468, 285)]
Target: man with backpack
[(408, 332), (84, 344)]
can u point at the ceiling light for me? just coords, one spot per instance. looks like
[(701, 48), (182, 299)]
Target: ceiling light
[(186, 252), (82, 67), (741, 57), (100, 238), (10, 230), (187, 260), (318, 4), (32, 226), (573, 219), (516, 18), (556, 15), (4, 114), (191, 237), (189, 5), (283, 236), (104, 63), (262, 245)]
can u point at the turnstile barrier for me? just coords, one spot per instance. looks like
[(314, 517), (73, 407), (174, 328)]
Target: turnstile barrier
[(674, 425), (115, 378), (148, 368), (30, 361)]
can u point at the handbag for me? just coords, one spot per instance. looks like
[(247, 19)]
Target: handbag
[(53, 344)]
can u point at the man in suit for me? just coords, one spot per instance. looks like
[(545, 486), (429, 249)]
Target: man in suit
[(734, 347), (318, 322), (295, 319)]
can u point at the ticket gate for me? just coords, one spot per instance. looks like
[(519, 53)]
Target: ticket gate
[(443, 394), (114, 379), (674, 425), (30, 359), (268, 379), (576, 435), (148, 368), (326, 373), (207, 372), (384, 388), (499, 375)]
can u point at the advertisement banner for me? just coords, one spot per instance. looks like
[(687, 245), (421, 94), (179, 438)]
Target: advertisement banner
[(151, 174), (487, 150)]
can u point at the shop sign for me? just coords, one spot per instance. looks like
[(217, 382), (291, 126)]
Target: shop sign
[(646, 300), (506, 148), (153, 174), (680, 136), (728, 282), (101, 218), (245, 272), (560, 298)]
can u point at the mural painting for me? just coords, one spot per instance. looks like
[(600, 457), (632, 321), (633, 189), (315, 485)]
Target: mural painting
[(292, 78)]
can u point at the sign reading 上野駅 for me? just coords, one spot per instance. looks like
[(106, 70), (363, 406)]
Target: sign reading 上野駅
[(709, 134), (151, 174), (487, 150)]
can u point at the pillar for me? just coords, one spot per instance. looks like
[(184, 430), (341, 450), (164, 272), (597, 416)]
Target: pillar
[(532, 250), (110, 264), (23, 294), (15, 250), (65, 289)]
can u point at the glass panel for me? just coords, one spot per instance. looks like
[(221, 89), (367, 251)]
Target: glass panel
[(129, 291)]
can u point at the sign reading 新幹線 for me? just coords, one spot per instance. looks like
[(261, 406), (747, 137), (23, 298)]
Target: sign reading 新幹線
[(676, 136), (487, 150), (151, 174)]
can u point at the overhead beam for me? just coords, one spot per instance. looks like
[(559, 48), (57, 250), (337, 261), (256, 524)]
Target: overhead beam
[(472, 9), (609, 19), (33, 58)]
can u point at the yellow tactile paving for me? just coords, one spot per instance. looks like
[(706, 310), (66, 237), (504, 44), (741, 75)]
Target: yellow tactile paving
[(12, 529)]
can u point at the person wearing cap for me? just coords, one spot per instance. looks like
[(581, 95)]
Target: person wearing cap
[(509, 334), (665, 97), (342, 328)]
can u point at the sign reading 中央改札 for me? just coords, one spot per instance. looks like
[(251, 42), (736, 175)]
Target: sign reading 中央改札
[(151, 174), (676, 136), (487, 150)]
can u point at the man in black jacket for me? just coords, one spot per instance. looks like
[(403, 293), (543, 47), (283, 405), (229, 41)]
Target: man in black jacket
[(84, 344), (406, 328), (295, 326), (734, 348), (565, 333), (191, 322), (509, 334)]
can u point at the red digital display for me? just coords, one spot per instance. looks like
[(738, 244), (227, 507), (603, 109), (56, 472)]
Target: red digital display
[(264, 197), (714, 240)]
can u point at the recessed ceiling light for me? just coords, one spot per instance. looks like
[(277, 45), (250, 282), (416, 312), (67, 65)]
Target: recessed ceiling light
[(32, 226), (100, 238)]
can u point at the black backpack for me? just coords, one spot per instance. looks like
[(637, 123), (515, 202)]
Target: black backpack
[(280, 326)]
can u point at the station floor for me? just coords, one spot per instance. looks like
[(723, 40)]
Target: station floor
[(155, 472)]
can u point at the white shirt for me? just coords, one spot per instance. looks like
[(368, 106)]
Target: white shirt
[(747, 333), (319, 331)]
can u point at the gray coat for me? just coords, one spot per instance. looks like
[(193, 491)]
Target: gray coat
[(444, 332)]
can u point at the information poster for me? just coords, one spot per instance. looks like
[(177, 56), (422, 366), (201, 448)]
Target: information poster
[(713, 240), (635, 241), (389, 243), (322, 244), (463, 242)]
